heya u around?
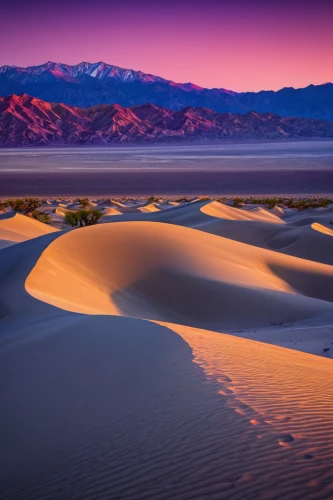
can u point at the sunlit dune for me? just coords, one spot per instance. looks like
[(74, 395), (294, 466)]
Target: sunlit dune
[(216, 209), (15, 228), (111, 211), (166, 272), (149, 208), (62, 211), (322, 229)]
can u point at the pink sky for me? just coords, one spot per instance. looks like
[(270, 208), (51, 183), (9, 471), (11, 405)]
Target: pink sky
[(235, 45)]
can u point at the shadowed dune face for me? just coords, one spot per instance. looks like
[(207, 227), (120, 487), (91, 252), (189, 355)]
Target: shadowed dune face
[(307, 242), (169, 273)]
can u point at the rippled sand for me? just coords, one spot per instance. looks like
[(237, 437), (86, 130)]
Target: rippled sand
[(131, 361)]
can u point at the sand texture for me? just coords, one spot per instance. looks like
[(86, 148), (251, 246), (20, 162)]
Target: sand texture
[(172, 351)]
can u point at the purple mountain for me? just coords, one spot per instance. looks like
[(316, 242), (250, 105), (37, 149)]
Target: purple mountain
[(26, 120), (88, 84)]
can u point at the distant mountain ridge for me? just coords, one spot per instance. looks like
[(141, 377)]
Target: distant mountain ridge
[(87, 84), (26, 120)]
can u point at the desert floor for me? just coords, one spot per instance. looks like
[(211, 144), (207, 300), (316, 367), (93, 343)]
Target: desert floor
[(175, 350)]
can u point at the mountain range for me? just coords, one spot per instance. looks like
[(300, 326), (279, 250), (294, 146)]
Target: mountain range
[(26, 120), (89, 84)]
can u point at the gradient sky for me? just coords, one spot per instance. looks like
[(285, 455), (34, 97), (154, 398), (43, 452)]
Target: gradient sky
[(237, 45)]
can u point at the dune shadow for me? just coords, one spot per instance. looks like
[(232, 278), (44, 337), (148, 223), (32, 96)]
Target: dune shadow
[(314, 284), (172, 296)]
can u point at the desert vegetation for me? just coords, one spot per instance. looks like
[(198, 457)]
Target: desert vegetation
[(152, 199), (41, 217), (83, 218), (84, 202), (22, 205), (271, 202)]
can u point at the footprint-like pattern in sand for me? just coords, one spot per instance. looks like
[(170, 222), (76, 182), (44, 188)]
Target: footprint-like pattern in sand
[(292, 392)]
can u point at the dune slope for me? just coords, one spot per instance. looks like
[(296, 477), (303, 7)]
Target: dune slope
[(170, 273), (112, 393), (15, 228), (116, 408)]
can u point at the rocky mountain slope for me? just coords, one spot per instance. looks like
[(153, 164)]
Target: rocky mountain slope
[(25, 120)]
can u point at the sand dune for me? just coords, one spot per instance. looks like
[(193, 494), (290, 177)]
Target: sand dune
[(257, 226), (311, 242), (120, 381), (15, 228), (323, 216), (216, 209), (111, 211), (152, 207), (165, 272)]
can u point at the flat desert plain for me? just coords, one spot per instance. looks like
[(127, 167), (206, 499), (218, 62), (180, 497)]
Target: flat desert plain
[(172, 351)]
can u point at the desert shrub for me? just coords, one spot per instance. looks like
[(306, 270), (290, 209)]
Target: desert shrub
[(90, 217), (17, 204), (271, 202), (83, 218), (41, 217), (71, 218), (84, 202), (184, 199), (24, 205), (3, 205), (31, 204), (152, 199), (237, 202)]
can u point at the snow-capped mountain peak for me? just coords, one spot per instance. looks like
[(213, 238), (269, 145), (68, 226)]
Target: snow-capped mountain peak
[(99, 70)]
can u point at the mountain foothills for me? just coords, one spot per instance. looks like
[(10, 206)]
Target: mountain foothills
[(88, 84), (25, 120)]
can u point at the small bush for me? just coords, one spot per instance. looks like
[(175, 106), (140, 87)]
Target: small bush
[(71, 218), (3, 205), (237, 202), (83, 218), (152, 199), (41, 217), (24, 205), (84, 202)]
